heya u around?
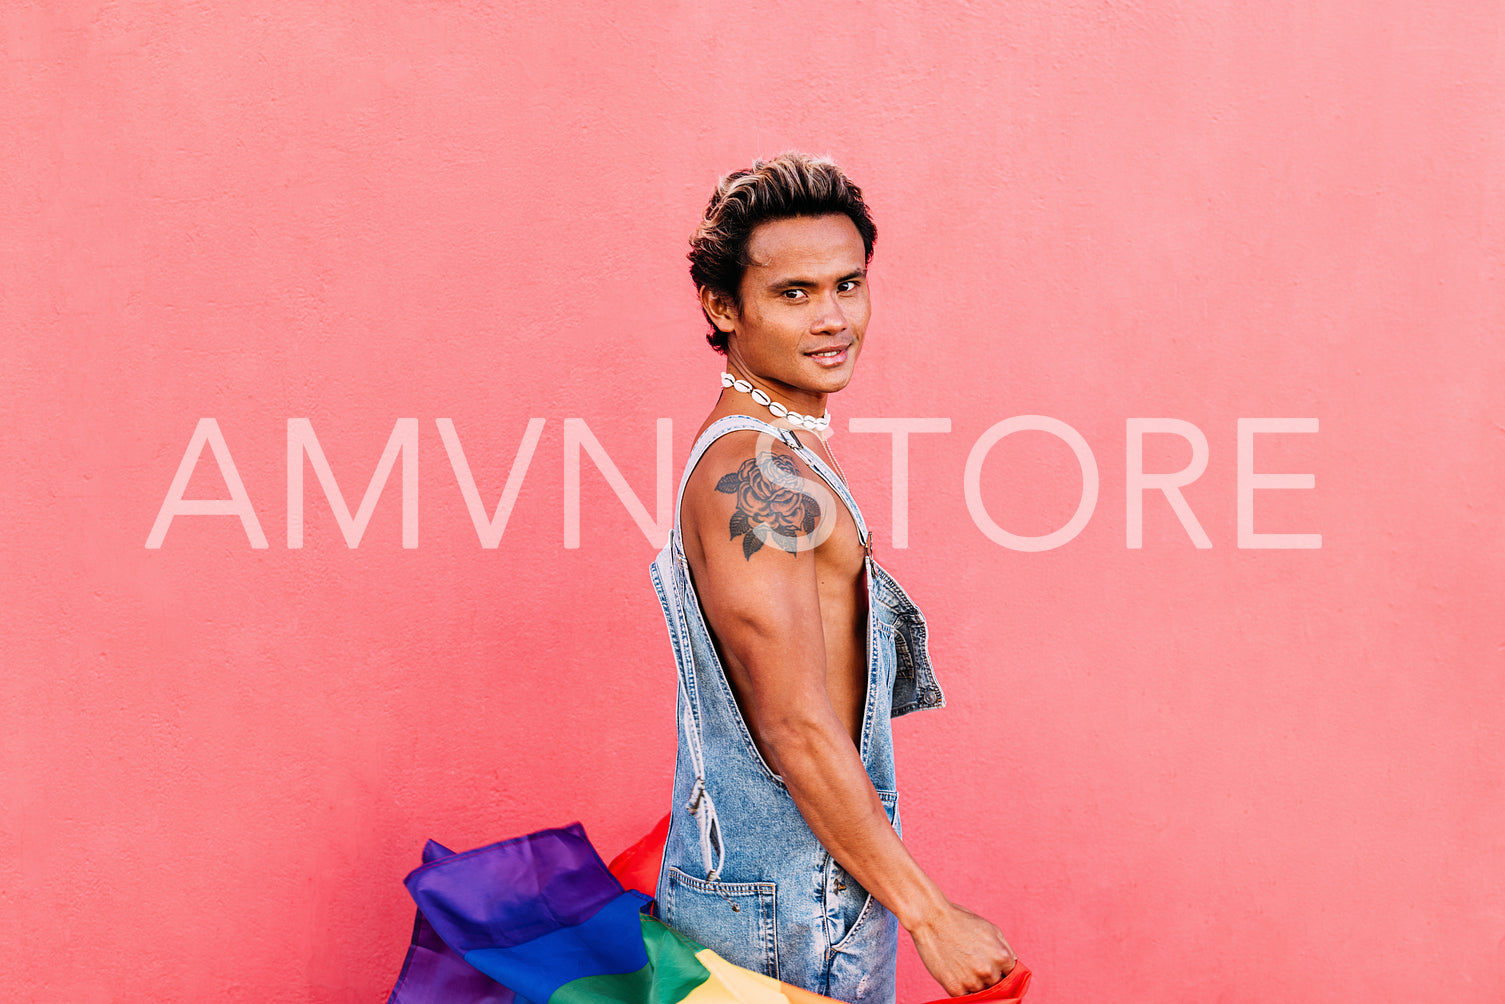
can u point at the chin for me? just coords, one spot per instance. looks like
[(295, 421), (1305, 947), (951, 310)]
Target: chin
[(831, 382)]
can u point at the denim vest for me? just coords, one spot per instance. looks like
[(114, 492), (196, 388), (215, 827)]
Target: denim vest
[(742, 874)]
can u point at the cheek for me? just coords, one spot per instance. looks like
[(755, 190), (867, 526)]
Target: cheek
[(765, 327), (858, 318), (860, 311)]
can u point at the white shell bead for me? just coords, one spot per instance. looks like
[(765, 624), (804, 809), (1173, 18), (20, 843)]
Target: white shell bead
[(761, 397)]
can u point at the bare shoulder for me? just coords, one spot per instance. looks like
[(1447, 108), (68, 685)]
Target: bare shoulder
[(753, 494)]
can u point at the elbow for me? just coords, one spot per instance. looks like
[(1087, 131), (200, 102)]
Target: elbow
[(794, 743)]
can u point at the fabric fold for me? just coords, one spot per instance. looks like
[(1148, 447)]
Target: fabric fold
[(541, 919)]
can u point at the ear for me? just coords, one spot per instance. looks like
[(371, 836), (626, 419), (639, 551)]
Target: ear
[(720, 309)]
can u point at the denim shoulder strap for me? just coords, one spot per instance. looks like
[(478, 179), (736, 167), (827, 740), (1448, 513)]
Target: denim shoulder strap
[(838, 486), (746, 423)]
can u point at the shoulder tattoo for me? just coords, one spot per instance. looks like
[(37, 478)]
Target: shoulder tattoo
[(772, 505)]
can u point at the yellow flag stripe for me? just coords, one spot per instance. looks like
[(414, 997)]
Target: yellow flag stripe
[(729, 984)]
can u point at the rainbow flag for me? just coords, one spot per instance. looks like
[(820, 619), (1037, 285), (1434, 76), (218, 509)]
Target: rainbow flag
[(541, 919)]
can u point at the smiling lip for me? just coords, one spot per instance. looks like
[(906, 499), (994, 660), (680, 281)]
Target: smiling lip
[(834, 356)]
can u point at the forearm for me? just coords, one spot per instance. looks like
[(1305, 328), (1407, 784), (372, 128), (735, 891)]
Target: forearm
[(825, 777)]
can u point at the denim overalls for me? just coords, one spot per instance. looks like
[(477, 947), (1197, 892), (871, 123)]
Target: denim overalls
[(742, 874)]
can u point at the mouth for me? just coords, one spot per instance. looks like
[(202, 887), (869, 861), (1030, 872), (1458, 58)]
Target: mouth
[(834, 356)]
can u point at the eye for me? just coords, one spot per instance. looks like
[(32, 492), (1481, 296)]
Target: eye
[(793, 295), (846, 285)]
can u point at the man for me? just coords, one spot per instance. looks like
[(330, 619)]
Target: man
[(793, 647)]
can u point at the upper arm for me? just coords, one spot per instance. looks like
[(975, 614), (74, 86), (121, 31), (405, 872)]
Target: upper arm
[(752, 514)]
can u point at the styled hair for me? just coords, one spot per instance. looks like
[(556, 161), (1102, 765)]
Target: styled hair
[(791, 184)]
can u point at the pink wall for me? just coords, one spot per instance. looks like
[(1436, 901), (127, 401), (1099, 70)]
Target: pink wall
[(1170, 773)]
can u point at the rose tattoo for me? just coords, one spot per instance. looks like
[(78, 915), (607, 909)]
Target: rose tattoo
[(771, 507)]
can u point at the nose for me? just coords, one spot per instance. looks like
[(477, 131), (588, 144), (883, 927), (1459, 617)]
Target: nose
[(829, 318)]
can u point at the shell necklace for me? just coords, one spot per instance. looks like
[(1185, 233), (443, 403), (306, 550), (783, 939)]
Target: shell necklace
[(810, 422), (794, 418)]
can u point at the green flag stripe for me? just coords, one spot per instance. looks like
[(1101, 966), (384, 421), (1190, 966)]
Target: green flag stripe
[(671, 973)]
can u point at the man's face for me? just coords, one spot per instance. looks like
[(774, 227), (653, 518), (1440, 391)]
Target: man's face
[(804, 305)]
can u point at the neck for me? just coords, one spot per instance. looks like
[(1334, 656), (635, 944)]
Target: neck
[(794, 398)]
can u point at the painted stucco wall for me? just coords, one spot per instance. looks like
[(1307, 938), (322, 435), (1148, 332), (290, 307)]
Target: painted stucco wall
[(1171, 773)]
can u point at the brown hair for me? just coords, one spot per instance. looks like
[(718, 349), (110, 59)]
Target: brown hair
[(791, 184)]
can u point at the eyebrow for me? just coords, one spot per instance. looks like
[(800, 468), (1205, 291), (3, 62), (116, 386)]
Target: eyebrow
[(801, 282)]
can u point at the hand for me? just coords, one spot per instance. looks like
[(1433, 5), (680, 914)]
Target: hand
[(963, 952)]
